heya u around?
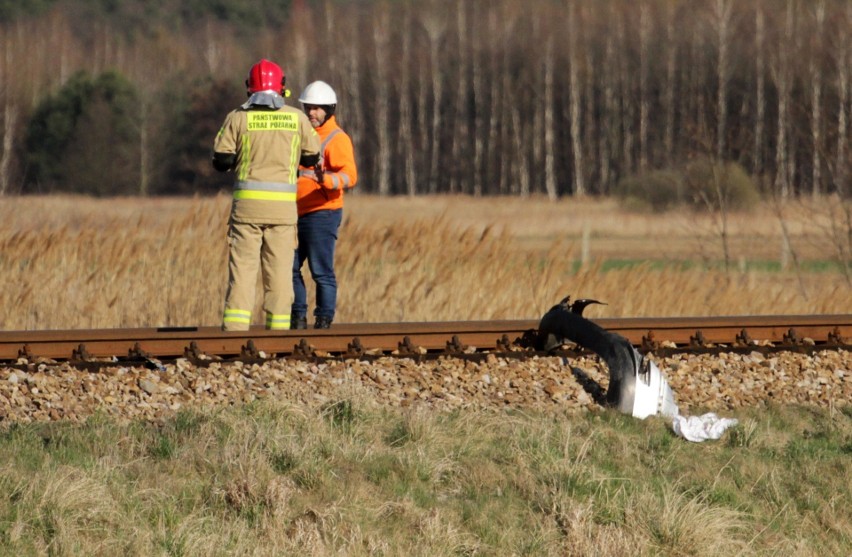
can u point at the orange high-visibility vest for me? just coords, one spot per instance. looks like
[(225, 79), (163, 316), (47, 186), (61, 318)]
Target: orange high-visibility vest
[(339, 169)]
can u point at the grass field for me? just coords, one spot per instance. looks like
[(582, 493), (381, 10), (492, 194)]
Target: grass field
[(354, 478), (82, 263), (274, 479)]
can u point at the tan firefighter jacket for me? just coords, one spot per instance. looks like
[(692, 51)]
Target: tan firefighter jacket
[(268, 144)]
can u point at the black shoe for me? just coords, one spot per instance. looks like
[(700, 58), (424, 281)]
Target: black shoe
[(299, 322), (322, 323)]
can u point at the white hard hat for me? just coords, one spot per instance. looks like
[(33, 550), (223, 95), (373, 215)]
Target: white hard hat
[(318, 93)]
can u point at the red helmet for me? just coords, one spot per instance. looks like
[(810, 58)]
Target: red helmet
[(265, 76)]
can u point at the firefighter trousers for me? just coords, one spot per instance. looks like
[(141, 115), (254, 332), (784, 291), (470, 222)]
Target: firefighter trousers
[(269, 246)]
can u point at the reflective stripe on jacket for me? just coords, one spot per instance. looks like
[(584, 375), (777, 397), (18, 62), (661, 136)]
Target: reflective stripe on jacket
[(339, 171), (268, 144)]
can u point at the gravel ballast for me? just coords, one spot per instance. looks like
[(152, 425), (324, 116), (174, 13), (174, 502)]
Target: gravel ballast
[(700, 383)]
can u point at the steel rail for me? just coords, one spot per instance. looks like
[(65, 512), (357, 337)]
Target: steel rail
[(450, 336)]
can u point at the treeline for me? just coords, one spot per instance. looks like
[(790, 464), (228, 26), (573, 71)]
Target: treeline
[(481, 96)]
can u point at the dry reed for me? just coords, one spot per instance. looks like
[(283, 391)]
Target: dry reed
[(72, 262)]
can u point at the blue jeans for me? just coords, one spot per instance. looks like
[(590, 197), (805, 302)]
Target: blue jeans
[(317, 236)]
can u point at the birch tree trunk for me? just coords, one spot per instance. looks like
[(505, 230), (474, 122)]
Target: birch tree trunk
[(523, 166), (576, 101), (381, 114), (781, 75), (671, 76), (844, 62), (815, 70), (477, 50), (549, 123), (609, 125), (60, 35), (495, 179), (435, 28), (213, 48), (508, 179), (722, 20), (591, 129), (627, 98), (10, 116), (406, 144), (760, 86), (695, 93), (423, 123), (144, 156), (331, 23), (10, 121), (644, 103), (535, 143), (354, 107), (460, 131)]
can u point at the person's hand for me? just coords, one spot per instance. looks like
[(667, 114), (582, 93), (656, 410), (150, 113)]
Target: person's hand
[(318, 173)]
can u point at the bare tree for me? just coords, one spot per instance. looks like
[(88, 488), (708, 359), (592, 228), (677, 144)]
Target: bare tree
[(783, 82), (576, 100), (536, 142), (671, 76), (460, 132), (10, 115), (435, 27), (815, 71), (549, 122), (844, 61), (479, 105), (213, 47), (591, 130), (381, 113), (523, 164), (594, 117), (495, 28), (610, 119), (509, 174), (424, 81), (627, 98), (722, 19), (760, 85), (406, 136), (644, 63), (331, 24)]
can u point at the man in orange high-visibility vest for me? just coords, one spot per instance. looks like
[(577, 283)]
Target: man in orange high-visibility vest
[(320, 207), (263, 141)]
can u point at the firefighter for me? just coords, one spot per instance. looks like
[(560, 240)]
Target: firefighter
[(320, 204), (263, 141)]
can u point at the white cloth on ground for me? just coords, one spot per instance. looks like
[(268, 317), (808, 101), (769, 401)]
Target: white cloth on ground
[(701, 428)]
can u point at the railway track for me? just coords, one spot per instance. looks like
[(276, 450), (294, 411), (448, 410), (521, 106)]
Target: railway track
[(366, 340), (714, 363)]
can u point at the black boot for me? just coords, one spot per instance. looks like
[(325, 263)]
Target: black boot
[(299, 322), (322, 322)]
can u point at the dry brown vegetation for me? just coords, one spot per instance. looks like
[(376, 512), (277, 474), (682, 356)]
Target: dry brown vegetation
[(74, 262), (356, 477)]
